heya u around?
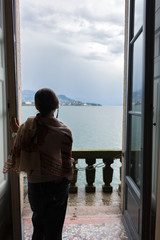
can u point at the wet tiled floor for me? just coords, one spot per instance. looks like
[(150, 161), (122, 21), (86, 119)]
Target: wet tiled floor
[(89, 217), (109, 228)]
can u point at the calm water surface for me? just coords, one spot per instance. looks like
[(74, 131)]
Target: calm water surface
[(92, 127)]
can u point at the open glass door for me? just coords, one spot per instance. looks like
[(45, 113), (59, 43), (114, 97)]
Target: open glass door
[(5, 210), (5, 213), (10, 214), (138, 149)]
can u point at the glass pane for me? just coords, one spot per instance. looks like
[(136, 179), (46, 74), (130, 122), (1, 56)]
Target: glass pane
[(2, 153), (137, 75), (1, 55), (138, 16), (135, 153), (1, 36), (156, 109), (1, 14), (3, 119)]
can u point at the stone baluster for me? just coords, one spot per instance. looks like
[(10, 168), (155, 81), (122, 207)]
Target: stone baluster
[(73, 186), (107, 175), (90, 175)]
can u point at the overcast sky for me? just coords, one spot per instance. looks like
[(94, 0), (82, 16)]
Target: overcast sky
[(74, 47)]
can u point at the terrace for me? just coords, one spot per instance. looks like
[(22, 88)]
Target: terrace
[(93, 211)]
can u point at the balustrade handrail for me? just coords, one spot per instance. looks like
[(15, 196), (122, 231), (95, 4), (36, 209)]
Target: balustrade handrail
[(96, 153), (90, 156)]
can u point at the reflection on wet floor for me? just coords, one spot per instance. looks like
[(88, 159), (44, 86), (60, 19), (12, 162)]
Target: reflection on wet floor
[(94, 199), (94, 216), (93, 204)]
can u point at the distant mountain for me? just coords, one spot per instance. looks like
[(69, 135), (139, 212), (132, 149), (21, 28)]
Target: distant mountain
[(63, 98), (137, 97), (28, 99), (28, 96)]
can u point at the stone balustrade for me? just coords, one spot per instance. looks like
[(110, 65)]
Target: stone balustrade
[(90, 157)]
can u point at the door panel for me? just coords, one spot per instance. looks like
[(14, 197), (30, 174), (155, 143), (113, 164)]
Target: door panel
[(135, 150), (11, 11), (5, 210), (3, 107), (156, 128), (133, 154), (139, 111), (133, 209)]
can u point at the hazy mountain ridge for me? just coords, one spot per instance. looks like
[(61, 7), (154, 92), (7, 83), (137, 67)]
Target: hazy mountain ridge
[(28, 99)]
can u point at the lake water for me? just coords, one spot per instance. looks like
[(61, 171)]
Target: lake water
[(92, 128)]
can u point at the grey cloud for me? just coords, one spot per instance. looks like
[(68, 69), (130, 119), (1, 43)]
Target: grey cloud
[(35, 18), (94, 57), (37, 15), (48, 58), (44, 20), (103, 37), (92, 35), (116, 50), (116, 47), (116, 18)]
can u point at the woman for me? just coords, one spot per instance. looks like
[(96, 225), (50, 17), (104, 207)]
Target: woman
[(42, 149)]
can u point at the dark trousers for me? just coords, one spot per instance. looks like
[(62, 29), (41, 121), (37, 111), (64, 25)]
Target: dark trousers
[(48, 202)]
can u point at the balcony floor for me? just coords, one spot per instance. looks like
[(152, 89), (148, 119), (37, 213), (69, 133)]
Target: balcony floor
[(89, 216)]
